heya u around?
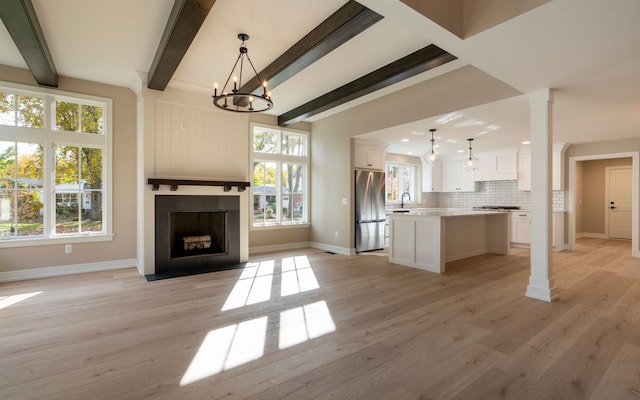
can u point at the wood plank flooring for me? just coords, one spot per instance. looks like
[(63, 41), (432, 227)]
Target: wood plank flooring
[(311, 325)]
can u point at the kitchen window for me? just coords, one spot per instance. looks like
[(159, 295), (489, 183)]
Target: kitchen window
[(280, 177), (54, 153), (400, 178)]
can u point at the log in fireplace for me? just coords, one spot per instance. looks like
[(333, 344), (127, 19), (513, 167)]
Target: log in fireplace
[(196, 234)]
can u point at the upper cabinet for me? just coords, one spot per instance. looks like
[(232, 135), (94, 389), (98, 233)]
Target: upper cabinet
[(369, 155), (455, 178), (497, 166), (557, 171), (524, 171), (431, 177)]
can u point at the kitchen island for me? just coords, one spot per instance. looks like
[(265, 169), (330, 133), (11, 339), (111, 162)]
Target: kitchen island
[(429, 239)]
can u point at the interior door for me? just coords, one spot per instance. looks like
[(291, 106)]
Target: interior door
[(620, 184)]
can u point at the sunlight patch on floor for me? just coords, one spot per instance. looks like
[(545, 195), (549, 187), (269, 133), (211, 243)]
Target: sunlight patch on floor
[(297, 276), (305, 323), (6, 301), (237, 344), (226, 348), (253, 286)]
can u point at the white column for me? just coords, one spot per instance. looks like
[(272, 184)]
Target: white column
[(541, 282)]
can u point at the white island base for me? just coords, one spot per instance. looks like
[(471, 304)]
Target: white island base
[(429, 239)]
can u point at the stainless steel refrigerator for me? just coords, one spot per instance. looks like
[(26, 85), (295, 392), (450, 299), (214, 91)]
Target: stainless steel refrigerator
[(370, 210)]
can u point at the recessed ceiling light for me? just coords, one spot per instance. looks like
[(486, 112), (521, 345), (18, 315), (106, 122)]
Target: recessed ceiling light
[(526, 142), (493, 127), (451, 140), (405, 140), (409, 152), (483, 133), (460, 151)]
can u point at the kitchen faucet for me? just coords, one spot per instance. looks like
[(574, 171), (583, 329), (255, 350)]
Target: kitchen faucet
[(402, 199)]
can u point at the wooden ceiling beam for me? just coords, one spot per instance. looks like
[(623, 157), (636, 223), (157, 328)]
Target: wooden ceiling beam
[(187, 16), (342, 25), (415, 63), (21, 21)]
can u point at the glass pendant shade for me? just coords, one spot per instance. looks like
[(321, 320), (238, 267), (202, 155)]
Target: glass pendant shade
[(432, 157), (470, 163)]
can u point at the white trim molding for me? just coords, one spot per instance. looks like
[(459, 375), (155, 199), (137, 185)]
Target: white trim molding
[(48, 272), (277, 247), (333, 249), (635, 207)]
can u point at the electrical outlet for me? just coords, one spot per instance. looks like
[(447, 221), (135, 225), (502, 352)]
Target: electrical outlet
[(67, 248)]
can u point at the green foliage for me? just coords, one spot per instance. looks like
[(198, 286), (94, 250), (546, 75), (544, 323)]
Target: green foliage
[(264, 174), (28, 111), (73, 164)]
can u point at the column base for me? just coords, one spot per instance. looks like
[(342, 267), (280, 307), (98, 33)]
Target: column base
[(541, 289)]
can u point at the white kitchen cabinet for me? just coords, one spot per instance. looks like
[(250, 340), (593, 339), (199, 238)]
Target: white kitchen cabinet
[(455, 178), (524, 171), (497, 166), (431, 177), (521, 227), (369, 155), (557, 168)]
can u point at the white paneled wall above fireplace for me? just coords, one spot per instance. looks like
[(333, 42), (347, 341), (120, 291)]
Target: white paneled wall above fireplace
[(192, 141)]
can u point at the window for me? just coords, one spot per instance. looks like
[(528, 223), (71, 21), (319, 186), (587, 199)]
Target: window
[(400, 179), (280, 177), (54, 154)]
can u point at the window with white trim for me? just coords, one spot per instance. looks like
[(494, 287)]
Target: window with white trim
[(280, 165), (54, 153), (400, 179)]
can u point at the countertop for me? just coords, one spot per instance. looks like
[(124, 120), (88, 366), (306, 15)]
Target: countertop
[(447, 212)]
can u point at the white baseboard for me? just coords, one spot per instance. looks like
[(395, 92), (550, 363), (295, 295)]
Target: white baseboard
[(47, 272), (591, 235), (278, 247), (333, 249), (300, 245)]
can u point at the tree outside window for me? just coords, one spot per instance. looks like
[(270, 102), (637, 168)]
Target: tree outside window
[(65, 195), (279, 177), (400, 178)]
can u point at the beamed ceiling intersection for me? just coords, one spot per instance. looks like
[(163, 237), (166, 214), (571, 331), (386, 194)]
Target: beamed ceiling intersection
[(185, 20)]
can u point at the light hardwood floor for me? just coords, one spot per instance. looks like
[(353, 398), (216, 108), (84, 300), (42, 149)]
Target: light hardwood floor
[(338, 328)]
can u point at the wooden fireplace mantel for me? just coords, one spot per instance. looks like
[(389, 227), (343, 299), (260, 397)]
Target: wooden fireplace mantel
[(174, 183)]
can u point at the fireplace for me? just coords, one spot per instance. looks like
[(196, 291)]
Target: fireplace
[(196, 234)]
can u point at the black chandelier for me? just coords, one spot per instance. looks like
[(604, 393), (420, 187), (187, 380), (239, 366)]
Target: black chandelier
[(233, 99)]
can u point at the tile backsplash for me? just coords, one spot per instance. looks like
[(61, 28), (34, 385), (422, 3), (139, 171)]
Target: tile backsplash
[(492, 193)]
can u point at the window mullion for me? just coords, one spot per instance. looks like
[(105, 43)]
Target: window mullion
[(49, 188), (79, 194)]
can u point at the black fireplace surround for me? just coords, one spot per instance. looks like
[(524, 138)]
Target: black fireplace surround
[(195, 234)]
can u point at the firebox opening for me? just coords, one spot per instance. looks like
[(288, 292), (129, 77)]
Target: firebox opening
[(198, 233)]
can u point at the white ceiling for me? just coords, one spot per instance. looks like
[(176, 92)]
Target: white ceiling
[(588, 51)]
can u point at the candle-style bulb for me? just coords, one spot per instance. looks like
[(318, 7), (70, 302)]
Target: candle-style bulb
[(215, 89), (235, 84)]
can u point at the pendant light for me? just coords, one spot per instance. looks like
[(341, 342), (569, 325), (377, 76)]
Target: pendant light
[(232, 99), (432, 157), (470, 163)]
